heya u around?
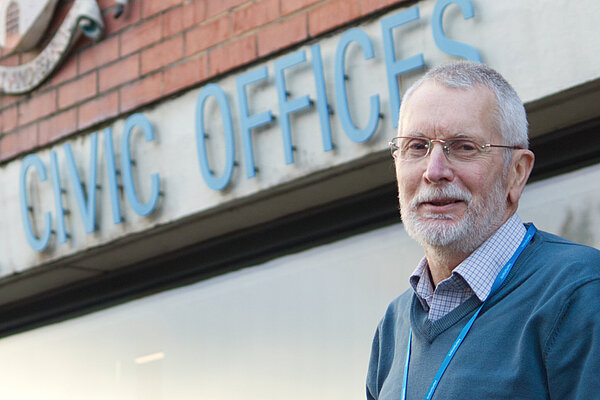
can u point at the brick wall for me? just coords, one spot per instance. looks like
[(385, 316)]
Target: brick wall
[(156, 49)]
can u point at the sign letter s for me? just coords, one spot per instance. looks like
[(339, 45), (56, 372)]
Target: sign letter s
[(441, 40)]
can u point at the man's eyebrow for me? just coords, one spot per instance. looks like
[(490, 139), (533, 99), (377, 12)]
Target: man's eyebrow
[(416, 134), (457, 135), (463, 135)]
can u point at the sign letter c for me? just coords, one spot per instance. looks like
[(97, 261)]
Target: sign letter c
[(38, 244)]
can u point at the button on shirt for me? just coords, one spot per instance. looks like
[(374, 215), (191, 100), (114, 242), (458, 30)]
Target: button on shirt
[(475, 275)]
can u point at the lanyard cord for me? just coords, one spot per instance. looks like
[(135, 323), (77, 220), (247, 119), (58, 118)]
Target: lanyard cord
[(463, 333)]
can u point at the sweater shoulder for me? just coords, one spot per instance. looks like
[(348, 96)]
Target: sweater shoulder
[(400, 304), (553, 264), (402, 301), (557, 253), (548, 238), (396, 314)]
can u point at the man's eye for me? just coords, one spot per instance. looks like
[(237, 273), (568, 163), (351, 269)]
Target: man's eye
[(416, 145), (464, 146)]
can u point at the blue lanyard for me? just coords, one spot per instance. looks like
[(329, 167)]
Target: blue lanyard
[(463, 333)]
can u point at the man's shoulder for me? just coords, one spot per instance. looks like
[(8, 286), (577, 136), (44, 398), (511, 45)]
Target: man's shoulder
[(562, 257), (399, 308), (401, 302), (556, 246)]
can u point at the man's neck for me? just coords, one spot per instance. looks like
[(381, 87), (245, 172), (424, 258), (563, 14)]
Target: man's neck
[(443, 260), (441, 263)]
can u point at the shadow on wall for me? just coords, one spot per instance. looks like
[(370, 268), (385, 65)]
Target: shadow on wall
[(578, 225)]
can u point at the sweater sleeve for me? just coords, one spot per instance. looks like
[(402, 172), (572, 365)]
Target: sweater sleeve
[(372, 392), (572, 352)]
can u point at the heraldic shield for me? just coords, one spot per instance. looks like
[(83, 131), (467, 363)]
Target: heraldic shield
[(23, 24)]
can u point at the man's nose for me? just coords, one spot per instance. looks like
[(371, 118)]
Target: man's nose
[(438, 166)]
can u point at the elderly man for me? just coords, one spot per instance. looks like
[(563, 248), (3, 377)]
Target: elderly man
[(497, 309)]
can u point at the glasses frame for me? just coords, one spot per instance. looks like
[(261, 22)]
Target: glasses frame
[(482, 148)]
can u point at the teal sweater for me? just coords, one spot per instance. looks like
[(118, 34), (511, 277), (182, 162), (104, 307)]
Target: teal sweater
[(537, 338)]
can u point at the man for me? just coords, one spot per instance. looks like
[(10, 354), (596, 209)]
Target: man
[(497, 310)]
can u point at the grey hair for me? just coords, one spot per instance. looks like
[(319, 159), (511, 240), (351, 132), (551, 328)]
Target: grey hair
[(509, 114)]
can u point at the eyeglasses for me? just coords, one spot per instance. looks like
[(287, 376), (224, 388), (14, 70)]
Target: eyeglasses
[(413, 148)]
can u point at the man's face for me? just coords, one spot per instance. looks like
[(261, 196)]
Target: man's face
[(454, 205)]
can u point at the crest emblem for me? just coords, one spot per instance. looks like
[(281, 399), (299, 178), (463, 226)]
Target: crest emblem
[(23, 24)]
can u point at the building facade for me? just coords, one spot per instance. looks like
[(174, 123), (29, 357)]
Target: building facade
[(197, 197)]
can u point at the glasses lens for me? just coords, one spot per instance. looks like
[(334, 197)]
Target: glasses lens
[(462, 149), (413, 148)]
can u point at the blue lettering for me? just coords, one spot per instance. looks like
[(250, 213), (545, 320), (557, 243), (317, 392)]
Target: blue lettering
[(393, 67), (38, 244), (247, 121), (447, 45), (87, 209), (322, 102), (286, 107), (140, 208), (355, 134), (61, 233), (212, 181), (111, 172)]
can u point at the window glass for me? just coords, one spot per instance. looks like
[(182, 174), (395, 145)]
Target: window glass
[(297, 327)]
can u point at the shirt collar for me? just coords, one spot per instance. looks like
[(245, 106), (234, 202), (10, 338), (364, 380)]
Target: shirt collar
[(420, 281), (480, 269)]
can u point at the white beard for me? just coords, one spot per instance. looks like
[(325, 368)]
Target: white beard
[(447, 233)]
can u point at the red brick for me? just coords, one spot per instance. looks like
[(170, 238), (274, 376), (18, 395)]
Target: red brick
[(254, 15), (186, 74), (282, 35), (98, 110), (207, 35), (57, 126), (232, 55), (199, 7), (9, 119), (151, 7), (332, 15), (130, 17), (18, 142), (11, 61), (65, 71), (368, 6), (102, 53), (37, 106), (125, 70), (11, 99), (162, 54), (141, 36), (173, 21), (141, 92), (104, 4), (184, 17), (81, 44), (289, 6), (78, 90), (218, 6)]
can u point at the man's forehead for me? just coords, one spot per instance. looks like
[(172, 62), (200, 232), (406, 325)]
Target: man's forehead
[(436, 89), (438, 107)]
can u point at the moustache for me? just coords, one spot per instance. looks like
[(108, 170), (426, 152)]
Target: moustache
[(440, 194)]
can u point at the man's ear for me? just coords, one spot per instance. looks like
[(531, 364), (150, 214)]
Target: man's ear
[(518, 173)]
